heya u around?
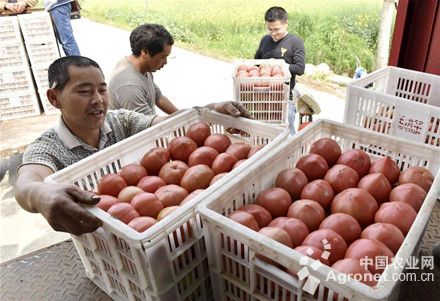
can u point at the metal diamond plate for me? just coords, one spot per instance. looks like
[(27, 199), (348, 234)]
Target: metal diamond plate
[(432, 232), (54, 273)]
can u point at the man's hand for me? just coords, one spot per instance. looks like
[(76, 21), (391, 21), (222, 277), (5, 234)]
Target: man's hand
[(20, 6), (232, 108), (59, 204), (12, 7)]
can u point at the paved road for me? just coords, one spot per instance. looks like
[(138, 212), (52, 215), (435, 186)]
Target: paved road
[(188, 79)]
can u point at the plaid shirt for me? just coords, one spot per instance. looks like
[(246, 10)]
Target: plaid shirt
[(58, 148)]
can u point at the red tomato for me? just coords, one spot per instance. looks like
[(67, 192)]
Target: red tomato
[(341, 177), (356, 159), (319, 191), (399, 214), (311, 252), (292, 180), (190, 196), (278, 235), (356, 202), (261, 215), (387, 167), (171, 195), (224, 163), (198, 132), (354, 268), (142, 223), (314, 166), (296, 229), (154, 159), (343, 224), (197, 177), (132, 173), (172, 172), (239, 150), (106, 202), (124, 212), (180, 148), (417, 175), (275, 200), (328, 149), (324, 239), (128, 193), (151, 183), (244, 218), (111, 184), (377, 185), (308, 211), (165, 212), (147, 204), (219, 142), (203, 155), (409, 193), (388, 234), (370, 249), (217, 177)]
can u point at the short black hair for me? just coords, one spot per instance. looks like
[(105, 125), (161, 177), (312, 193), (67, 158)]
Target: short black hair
[(58, 72), (149, 37), (275, 13)]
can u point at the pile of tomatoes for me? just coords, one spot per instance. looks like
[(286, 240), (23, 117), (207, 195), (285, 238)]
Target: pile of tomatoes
[(340, 208), (141, 194)]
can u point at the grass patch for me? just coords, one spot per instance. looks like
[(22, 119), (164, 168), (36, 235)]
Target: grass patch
[(334, 31)]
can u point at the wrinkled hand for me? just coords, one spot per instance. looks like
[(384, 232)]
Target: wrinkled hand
[(59, 204), (232, 108)]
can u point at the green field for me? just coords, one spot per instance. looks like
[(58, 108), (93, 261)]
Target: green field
[(334, 31)]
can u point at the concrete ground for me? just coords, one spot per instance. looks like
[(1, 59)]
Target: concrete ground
[(188, 80)]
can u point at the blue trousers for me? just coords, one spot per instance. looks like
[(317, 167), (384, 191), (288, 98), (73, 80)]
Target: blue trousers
[(61, 18)]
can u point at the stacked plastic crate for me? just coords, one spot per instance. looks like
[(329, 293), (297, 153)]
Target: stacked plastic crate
[(17, 94), (42, 49), (263, 87)]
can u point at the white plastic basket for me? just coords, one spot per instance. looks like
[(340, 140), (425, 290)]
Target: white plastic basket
[(231, 247), (165, 262), (13, 106), (36, 26), (266, 103), (42, 52), (396, 101), (12, 56), (9, 30), (40, 75), (16, 81)]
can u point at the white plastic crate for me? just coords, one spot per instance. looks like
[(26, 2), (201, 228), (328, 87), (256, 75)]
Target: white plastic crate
[(20, 105), (396, 101), (12, 56), (41, 77), (152, 265), (42, 52), (231, 247), (16, 81), (265, 97), (9, 30), (36, 26)]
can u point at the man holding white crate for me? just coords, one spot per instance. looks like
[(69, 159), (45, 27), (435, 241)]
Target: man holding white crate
[(78, 89), (280, 44)]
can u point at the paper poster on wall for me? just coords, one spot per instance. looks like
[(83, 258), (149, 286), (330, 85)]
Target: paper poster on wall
[(410, 122)]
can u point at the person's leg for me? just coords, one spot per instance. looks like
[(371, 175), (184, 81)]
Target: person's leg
[(61, 18)]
